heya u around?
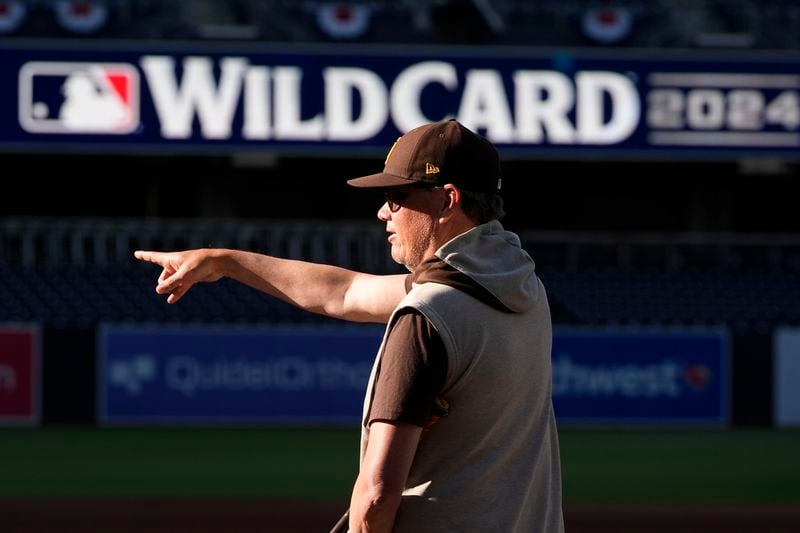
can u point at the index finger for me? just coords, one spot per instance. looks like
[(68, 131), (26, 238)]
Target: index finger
[(153, 257)]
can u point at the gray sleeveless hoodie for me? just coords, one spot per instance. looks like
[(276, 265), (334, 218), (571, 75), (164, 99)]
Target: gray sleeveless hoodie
[(492, 464)]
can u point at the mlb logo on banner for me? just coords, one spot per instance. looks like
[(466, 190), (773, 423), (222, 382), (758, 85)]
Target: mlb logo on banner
[(75, 98), (19, 375)]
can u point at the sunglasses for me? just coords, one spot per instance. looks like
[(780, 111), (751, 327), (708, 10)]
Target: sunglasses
[(396, 198)]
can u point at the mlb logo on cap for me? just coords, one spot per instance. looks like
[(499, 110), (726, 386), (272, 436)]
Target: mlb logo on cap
[(78, 98)]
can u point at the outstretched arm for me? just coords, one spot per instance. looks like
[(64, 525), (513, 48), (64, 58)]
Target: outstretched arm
[(323, 289)]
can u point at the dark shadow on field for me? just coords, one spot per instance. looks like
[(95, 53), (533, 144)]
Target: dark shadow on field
[(159, 516), (273, 516)]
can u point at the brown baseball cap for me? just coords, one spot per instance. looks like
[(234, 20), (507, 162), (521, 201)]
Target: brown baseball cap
[(435, 154)]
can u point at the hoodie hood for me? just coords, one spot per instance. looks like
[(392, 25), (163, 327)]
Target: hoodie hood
[(493, 260)]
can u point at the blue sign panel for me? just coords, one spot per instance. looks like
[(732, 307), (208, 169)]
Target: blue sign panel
[(318, 376), (233, 376), (641, 377), (299, 99)]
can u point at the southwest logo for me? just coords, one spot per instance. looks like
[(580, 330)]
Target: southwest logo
[(78, 98), (697, 376)]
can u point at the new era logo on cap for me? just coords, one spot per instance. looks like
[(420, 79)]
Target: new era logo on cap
[(436, 154)]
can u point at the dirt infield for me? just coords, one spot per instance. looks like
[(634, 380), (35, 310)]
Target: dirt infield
[(617, 518), (114, 516)]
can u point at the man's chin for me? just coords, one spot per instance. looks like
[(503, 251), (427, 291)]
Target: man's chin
[(401, 261)]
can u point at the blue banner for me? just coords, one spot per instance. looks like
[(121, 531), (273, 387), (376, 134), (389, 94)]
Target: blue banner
[(317, 376), (215, 375), (357, 100), (653, 377)]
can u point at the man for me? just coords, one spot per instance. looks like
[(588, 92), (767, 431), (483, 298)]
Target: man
[(458, 433)]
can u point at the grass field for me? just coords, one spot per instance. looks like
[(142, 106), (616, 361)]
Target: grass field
[(599, 466)]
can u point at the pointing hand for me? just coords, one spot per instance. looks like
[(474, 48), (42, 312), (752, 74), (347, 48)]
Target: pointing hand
[(181, 270)]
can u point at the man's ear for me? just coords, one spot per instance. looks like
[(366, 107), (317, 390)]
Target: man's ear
[(452, 197)]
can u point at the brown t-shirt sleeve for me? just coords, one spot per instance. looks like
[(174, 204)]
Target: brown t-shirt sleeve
[(412, 372)]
